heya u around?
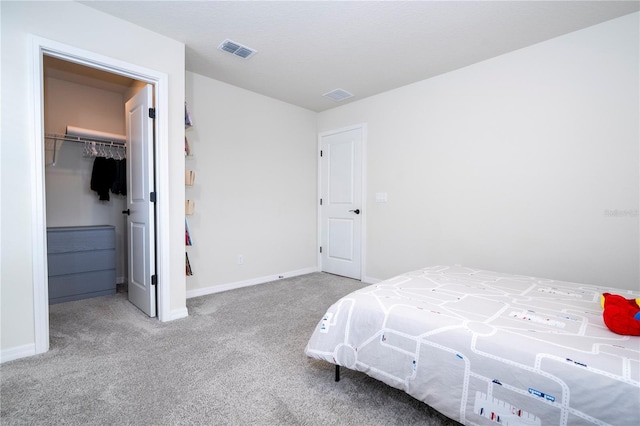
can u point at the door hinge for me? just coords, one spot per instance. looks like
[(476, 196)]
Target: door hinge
[(154, 279), (152, 113), (320, 201), (152, 197), (320, 153), (320, 249)]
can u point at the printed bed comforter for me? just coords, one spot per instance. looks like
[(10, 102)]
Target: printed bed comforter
[(484, 347)]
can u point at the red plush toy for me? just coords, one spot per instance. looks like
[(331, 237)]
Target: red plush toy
[(621, 315)]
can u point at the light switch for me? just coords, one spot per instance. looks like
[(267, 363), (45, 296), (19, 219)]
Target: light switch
[(381, 197)]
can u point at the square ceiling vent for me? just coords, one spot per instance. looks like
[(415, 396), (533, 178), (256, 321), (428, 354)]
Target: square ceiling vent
[(237, 49), (338, 95)]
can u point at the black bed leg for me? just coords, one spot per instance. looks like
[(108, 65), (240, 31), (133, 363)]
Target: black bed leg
[(337, 373)]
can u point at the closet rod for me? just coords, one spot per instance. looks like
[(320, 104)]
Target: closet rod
[(79, 139)]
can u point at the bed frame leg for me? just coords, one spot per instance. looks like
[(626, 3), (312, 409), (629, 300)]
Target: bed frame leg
[(337, 373)]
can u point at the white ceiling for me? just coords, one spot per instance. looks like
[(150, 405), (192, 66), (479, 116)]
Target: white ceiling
[(308, 48)]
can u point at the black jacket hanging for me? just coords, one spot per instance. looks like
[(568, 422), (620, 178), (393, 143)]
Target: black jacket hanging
[(119, 185), (102, 176)]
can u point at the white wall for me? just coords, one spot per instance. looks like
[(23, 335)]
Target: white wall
[(255, 189), (70, 200), (526, 163), (84, 28)]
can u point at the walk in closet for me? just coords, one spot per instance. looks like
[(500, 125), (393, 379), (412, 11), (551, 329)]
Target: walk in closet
[(87, 237)]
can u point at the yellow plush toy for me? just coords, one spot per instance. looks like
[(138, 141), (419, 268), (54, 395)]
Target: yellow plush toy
[(621, 315)]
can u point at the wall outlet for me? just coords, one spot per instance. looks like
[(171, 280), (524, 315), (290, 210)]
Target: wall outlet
[(240, 259)]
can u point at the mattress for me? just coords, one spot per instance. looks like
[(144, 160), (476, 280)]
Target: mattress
[(486, 347)]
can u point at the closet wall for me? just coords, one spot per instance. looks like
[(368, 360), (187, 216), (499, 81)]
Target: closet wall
[(77, 100)]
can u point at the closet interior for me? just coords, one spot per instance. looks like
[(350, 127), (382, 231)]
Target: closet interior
[(85, 179)]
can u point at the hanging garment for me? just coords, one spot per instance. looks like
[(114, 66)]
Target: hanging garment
[(102, 176), (119, 185)]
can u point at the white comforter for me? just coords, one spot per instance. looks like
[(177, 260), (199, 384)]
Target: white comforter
[(485, 347)]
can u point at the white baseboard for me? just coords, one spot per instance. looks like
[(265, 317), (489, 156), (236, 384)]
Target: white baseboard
[(17, 352), (255, 281), (370, 280), (177, 314)]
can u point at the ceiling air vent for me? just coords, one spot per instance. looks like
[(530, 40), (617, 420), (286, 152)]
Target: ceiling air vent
[(237, 49), (338, 95)]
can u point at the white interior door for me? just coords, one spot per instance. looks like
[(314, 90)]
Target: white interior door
[(341, 209), (141, 217)]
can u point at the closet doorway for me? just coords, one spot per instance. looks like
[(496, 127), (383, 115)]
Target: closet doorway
[(107, 220), (41, 47)]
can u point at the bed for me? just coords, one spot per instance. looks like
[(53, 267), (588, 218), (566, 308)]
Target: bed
[(485, 347)]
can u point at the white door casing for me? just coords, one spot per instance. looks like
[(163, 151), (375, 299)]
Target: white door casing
[(39, 47), (342, 209), (140, 207)]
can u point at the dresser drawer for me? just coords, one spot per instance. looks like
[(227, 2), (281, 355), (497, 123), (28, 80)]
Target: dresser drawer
[(81, 238), (65, 288), (81, 261)]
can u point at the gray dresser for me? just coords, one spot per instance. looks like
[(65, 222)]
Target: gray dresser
[(82, 262)]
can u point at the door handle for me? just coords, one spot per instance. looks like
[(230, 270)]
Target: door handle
[(127, 212), (356, 211)]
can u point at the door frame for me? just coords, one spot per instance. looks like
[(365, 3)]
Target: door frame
[(363, 216), (40, 47)]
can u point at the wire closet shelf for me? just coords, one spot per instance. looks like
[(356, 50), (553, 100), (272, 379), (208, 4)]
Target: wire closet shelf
[(93, 147)]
